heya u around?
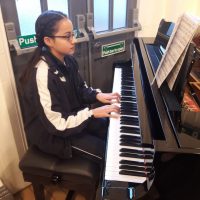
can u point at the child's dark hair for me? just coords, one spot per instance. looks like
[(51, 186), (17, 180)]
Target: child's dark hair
[(45, 25)]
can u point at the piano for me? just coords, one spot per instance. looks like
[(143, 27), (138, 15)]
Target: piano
[(150, 120)]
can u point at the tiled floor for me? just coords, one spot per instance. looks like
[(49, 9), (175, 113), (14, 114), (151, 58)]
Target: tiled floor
[(52, 193)]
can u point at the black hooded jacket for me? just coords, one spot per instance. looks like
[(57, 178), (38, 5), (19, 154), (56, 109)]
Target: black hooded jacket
[(56, 104)]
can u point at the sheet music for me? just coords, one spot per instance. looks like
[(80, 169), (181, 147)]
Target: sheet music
[(176, 49), (174, 73)]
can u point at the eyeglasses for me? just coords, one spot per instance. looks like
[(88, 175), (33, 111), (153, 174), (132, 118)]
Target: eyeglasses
[(69, 36)]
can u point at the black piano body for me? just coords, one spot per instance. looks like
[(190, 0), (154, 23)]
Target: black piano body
[(160, 112), (179, 177), (164, 106)]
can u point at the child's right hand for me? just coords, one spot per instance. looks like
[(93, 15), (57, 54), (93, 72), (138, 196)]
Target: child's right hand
[(106, 111)]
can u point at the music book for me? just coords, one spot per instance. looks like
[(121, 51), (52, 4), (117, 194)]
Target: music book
[(186, 29)]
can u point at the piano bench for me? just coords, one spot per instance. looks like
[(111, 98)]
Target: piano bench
[(76, 174)]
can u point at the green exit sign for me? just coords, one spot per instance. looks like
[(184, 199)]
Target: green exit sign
[(113, 48), (27, 41)]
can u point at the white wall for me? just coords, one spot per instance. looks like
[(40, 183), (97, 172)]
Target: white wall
[(12, 145), (9, 171), (150, 14), (152, 11)]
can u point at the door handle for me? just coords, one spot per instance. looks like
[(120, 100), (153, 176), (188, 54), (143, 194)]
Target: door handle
[(98, 45), (81, 29), (13, 42)]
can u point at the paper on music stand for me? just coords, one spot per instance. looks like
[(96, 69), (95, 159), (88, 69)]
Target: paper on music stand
[(176, 49), (174, 73)]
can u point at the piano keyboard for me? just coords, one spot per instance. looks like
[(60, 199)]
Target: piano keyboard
[(127, 158)]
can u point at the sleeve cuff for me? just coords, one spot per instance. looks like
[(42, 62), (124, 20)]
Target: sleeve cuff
[(90, 113), (98, 91)]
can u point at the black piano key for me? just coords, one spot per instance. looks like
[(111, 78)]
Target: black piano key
[(133, 123), (133, 173), (128, 128), (129, 104), (132, 109), (137, 163), (132, 105), (129, 132), (132, 91), (130, 144), (127, 77), (129, 140), (129, 107), (135, 155), (136, 168), (129, 118), (124, 138), (136, 140), (129, 123), (124, 87), (128, 96), (136, 151), (129, 137), (127, 74), (127, 82), (128, 93), (127, 87), (131, 112), (124, 98)]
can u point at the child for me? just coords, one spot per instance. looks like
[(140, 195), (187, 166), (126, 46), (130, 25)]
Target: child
[(57, 116)]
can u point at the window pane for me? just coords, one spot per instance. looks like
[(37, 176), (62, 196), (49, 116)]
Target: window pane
[(119, 13), (101, 10), (28, 11), (59, 5)]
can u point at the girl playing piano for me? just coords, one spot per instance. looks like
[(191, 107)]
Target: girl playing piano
[(56, 101)]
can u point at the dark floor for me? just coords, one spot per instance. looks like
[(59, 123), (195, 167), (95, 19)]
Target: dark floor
[(52, 193)]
